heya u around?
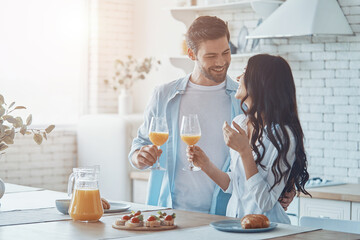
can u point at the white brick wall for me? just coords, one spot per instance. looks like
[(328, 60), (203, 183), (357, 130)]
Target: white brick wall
[(47, 165), (327, 77), (111, 37)]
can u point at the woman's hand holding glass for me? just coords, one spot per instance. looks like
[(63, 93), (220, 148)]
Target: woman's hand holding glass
[(190, 133), (197, 156)]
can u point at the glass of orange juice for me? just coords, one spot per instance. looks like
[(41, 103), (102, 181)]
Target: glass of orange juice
[(158, 135), (190, 133)]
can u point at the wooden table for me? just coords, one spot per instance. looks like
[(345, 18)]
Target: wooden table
[(68, 229)]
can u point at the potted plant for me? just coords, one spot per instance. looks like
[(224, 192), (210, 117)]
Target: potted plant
[(126, 73), (11, 125)]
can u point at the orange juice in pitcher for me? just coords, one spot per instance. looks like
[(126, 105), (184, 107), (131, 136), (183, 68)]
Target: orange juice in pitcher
[(85, 203)]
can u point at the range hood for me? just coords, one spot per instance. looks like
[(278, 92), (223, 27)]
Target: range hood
[(304, 18)]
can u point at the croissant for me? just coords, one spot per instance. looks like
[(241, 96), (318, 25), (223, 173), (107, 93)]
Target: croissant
[(255, 221)]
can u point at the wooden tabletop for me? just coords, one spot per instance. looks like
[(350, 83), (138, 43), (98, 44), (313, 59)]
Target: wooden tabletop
[(185, 221), (345, 192)]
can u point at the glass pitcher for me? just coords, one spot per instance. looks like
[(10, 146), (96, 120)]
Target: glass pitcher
[(85, 202)]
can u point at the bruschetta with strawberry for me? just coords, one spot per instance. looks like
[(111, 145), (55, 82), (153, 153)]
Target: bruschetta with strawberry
[(136, 221), (152, 221)]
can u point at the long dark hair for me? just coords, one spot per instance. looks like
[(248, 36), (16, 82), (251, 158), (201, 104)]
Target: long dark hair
[(270, 85)]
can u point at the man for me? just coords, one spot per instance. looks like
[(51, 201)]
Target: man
[(207, 92)]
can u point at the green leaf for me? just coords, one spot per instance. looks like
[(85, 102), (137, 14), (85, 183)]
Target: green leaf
[(44, 135), (2, 111), (3, 146), (18, 123), (9, 119), (38, 138), (2, 101), (23, 129), (8, 140), (12, 104), (49, 129), (29, 120), (20, 107)]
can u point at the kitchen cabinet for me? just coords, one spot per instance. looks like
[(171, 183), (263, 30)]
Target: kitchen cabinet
[(338, 202), (325, 208), (187, 15), (105, 140), (355, 211), (139, 180)]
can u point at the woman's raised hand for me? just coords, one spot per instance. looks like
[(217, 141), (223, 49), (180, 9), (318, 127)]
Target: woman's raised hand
[(235, 139)]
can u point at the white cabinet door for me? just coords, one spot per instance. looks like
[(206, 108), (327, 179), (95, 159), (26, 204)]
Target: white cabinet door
[(139, 190), (325, 208), (355, 211)]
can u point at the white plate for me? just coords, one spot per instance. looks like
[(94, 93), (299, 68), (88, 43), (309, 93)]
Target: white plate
[(63, 206), (235, 226), (117, 207)]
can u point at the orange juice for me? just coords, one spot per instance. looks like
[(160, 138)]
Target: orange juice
[(86, 205), (158, 138), (190, 139)]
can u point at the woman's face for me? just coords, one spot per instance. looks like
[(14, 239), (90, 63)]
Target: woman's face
[(241, 91)]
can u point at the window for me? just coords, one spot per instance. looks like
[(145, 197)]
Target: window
[(43, 57)]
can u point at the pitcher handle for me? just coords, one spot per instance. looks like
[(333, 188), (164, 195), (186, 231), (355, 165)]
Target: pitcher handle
[(71, 184)]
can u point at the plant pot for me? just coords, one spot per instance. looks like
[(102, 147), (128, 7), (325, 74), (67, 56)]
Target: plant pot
[(2, 188), (125, 104)]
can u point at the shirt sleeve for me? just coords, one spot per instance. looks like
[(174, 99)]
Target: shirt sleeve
[(241, 120), (260, 184), (142, 138), (230, 187)]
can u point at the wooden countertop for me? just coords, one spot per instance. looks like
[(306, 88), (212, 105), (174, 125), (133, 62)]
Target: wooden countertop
[(345, 192), (140, 175), (187, 222)]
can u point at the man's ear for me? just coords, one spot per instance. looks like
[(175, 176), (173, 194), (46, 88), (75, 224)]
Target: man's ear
[(191, 54)]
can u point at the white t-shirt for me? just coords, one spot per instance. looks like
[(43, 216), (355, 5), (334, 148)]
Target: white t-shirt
[(193, 190)]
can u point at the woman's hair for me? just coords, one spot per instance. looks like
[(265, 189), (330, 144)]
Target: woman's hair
[(205, 28), (270, 85)]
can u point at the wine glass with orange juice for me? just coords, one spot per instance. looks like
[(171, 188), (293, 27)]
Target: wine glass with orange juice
[(158, 135), (190, 133)]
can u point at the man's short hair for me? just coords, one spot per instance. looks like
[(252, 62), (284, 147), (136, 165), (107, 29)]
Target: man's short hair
[(205, 28)]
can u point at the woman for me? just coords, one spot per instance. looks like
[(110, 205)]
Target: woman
[(266, 143)]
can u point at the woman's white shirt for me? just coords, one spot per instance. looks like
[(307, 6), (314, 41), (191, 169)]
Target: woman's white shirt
[(252, 196)]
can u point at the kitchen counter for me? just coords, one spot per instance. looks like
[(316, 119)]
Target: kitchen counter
[(140, 175), (345, 192)]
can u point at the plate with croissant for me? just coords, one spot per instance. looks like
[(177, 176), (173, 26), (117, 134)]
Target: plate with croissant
[(248, 224)]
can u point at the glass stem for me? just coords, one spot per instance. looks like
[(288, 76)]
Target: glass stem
[(191, 162), (157, 159)]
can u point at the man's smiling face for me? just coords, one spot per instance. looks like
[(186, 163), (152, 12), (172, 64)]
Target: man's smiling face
[(213, 58)]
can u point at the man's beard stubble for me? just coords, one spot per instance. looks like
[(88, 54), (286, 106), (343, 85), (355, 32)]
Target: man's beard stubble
[(216, 78)]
